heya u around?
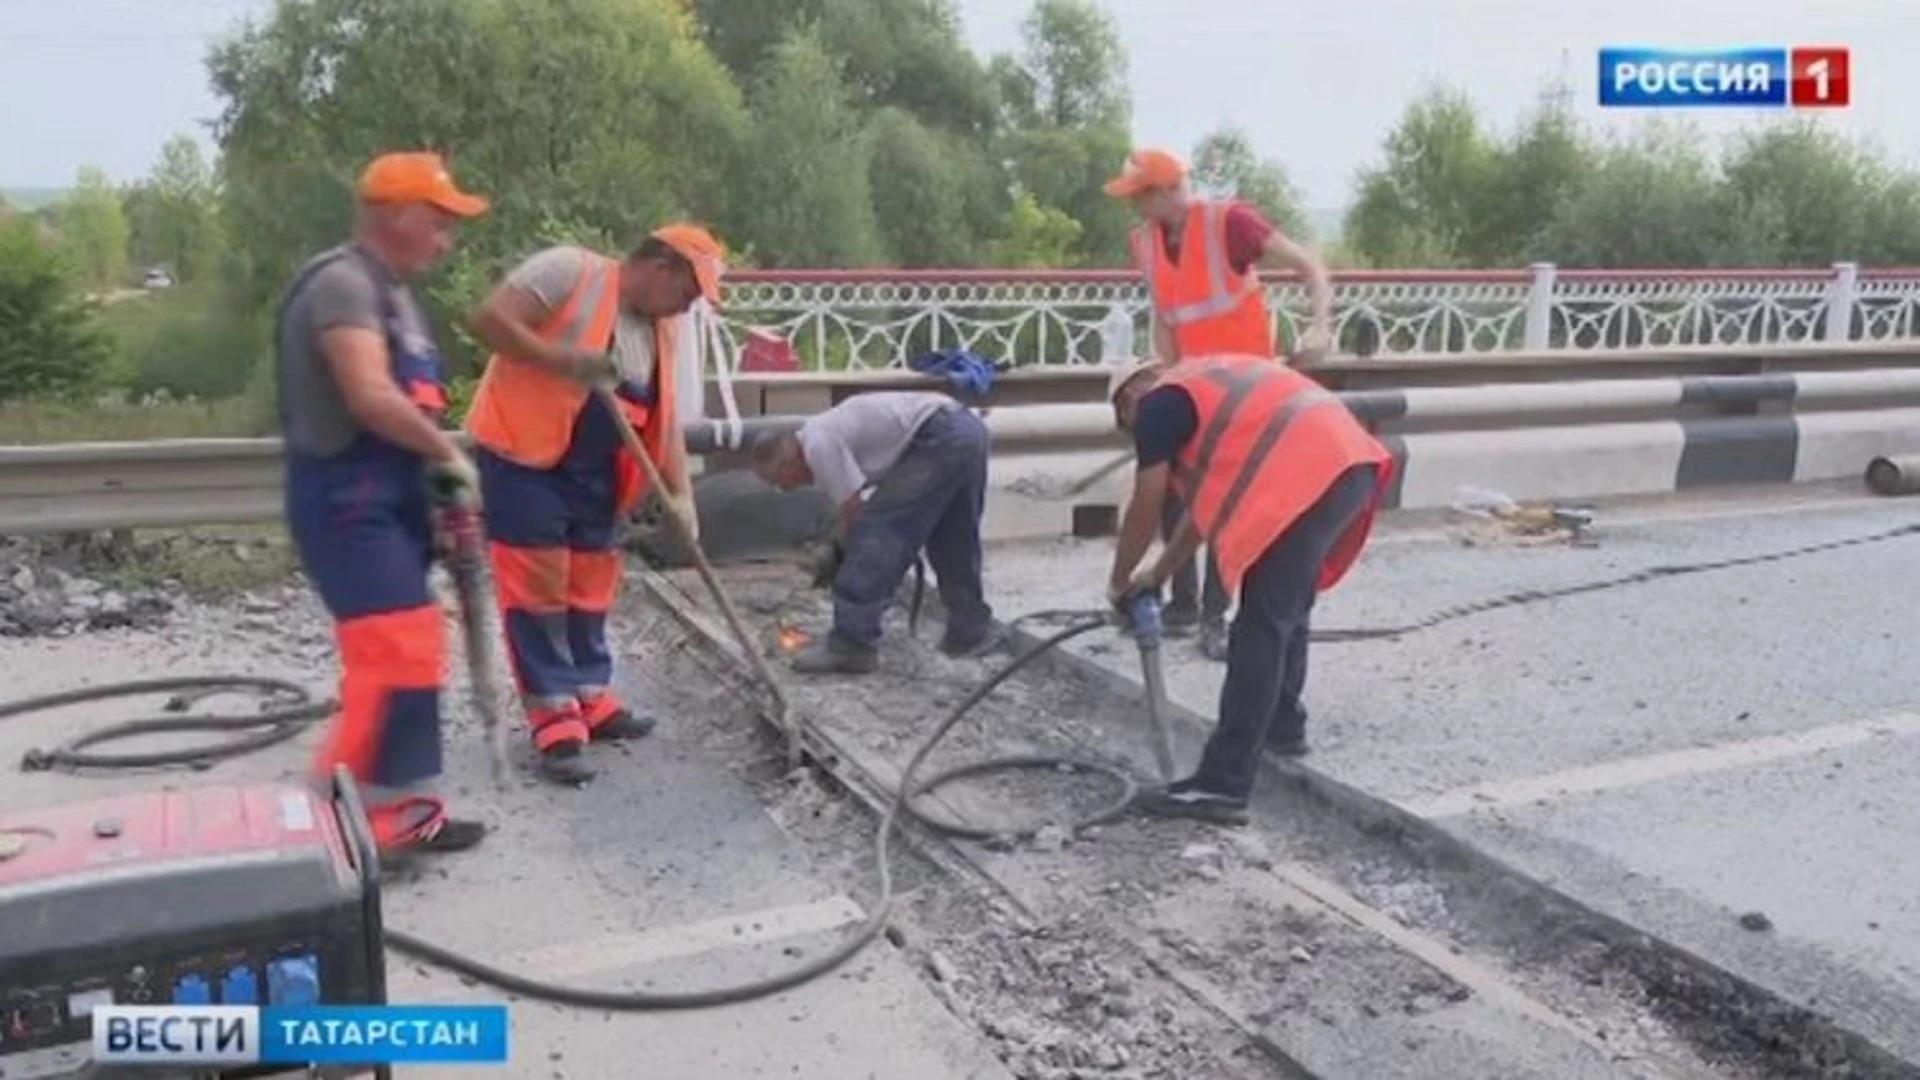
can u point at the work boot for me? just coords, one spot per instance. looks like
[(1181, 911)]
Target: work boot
[(833, 655), (610, 721), (1188, 799), (566, 763), (1213, 639), (420, 826), (623, 725), (964, 644)]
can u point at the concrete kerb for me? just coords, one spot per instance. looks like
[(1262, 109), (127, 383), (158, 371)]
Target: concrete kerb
[(1533, 917)]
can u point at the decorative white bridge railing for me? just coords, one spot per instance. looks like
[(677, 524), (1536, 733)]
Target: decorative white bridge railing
[(876, 319)]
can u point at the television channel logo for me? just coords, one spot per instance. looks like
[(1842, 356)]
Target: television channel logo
[(1799, 77)]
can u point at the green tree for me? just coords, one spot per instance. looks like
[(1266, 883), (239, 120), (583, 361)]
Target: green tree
[(173, 214), (1424, 204), (93, 231), (1226, 167), (1035, 237), (1066, 118), (806, 197), (51, 344), (1647, 201), (608, 112)]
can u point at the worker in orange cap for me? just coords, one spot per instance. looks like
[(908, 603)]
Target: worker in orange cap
[(556, 475), (1202, 259), (361, 389)]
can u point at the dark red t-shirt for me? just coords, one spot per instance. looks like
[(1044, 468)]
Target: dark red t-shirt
[(1247, 233)]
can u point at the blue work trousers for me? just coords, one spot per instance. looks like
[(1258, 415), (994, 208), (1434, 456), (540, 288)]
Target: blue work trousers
[(932, 499), (1267, 643)]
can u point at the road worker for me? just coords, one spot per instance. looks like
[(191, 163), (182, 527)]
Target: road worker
[(1283, 481), (557, 477), (924, 456), (361, 390), (1209, 303)]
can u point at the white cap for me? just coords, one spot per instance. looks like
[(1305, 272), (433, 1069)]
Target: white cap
[(1125, 374)]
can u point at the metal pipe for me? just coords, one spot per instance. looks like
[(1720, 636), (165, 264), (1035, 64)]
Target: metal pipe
[(1894, 475)]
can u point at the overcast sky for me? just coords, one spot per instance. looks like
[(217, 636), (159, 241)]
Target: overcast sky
[(105, 82)]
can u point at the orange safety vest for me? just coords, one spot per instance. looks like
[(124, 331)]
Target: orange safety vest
[(1211, 309), (526, 413), (1269, 443)]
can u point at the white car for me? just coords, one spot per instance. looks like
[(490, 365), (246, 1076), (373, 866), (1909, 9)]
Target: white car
[(157, 279)]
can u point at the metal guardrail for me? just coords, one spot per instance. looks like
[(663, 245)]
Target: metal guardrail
[(180, 482)]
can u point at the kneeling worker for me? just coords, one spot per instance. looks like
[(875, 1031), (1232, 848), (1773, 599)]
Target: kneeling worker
[(1282, 481), (555, 471), (925, 455)]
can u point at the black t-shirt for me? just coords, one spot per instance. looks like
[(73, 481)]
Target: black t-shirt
[(1162, 423)]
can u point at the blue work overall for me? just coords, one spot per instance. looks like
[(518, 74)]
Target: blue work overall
[(362, 525)]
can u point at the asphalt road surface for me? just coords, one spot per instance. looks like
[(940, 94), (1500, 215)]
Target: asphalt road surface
[(672, 872), (1728, 760)]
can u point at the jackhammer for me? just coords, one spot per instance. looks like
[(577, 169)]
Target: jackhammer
[(1143, 622), (466, 561)]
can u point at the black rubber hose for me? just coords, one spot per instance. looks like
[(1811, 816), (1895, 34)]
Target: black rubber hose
[(285, 721), (902, 803), (281, 722)]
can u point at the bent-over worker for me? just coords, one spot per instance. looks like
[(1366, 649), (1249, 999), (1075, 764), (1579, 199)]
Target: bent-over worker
[(556, 474), (361, 388), (1201, 259), (1281, 479), (925, 457)]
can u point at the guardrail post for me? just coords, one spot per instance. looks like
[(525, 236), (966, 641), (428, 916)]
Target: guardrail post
[(1116, 336), (1539, 325), (1840, 298)]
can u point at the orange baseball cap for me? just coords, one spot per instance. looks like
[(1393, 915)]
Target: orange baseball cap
[(418, 178), (699, 247), (1146, 170)]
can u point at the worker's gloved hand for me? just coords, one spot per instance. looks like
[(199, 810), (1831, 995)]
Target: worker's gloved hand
[(1315, 344), (455, 479), (681, 506), (1120, 597), (828, 567)]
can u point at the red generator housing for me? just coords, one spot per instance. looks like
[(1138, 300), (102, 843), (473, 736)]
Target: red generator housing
[(222, 895)]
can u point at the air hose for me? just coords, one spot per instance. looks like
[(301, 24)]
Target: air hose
[(289, 708)]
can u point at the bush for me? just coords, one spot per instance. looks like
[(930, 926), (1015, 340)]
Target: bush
[(186, 342), (51, 344)]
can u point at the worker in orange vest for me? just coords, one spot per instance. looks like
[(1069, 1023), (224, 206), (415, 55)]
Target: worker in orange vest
[(556, 475), (1202, 259), (1283, 482), (361, 395)]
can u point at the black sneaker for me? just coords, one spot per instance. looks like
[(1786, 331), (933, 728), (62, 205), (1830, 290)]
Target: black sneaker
[(1186, 799), (624, 725), (835, 657), (565, 763), (1287, 745), (967, 644)]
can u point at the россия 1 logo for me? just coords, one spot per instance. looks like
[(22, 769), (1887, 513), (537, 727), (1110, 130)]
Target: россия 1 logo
[(1803, 77)]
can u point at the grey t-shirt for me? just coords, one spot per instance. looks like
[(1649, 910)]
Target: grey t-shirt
[(553, 274), (345, 292), (854, 443)]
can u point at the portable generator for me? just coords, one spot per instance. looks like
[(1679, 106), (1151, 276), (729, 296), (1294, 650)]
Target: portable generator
[(223, 895)]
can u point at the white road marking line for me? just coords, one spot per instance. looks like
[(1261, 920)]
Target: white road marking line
[(594, 956), (1631, 772)]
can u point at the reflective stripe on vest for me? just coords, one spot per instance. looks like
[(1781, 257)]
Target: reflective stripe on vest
[(585, 313), (1221, 297), (1239, 380)]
